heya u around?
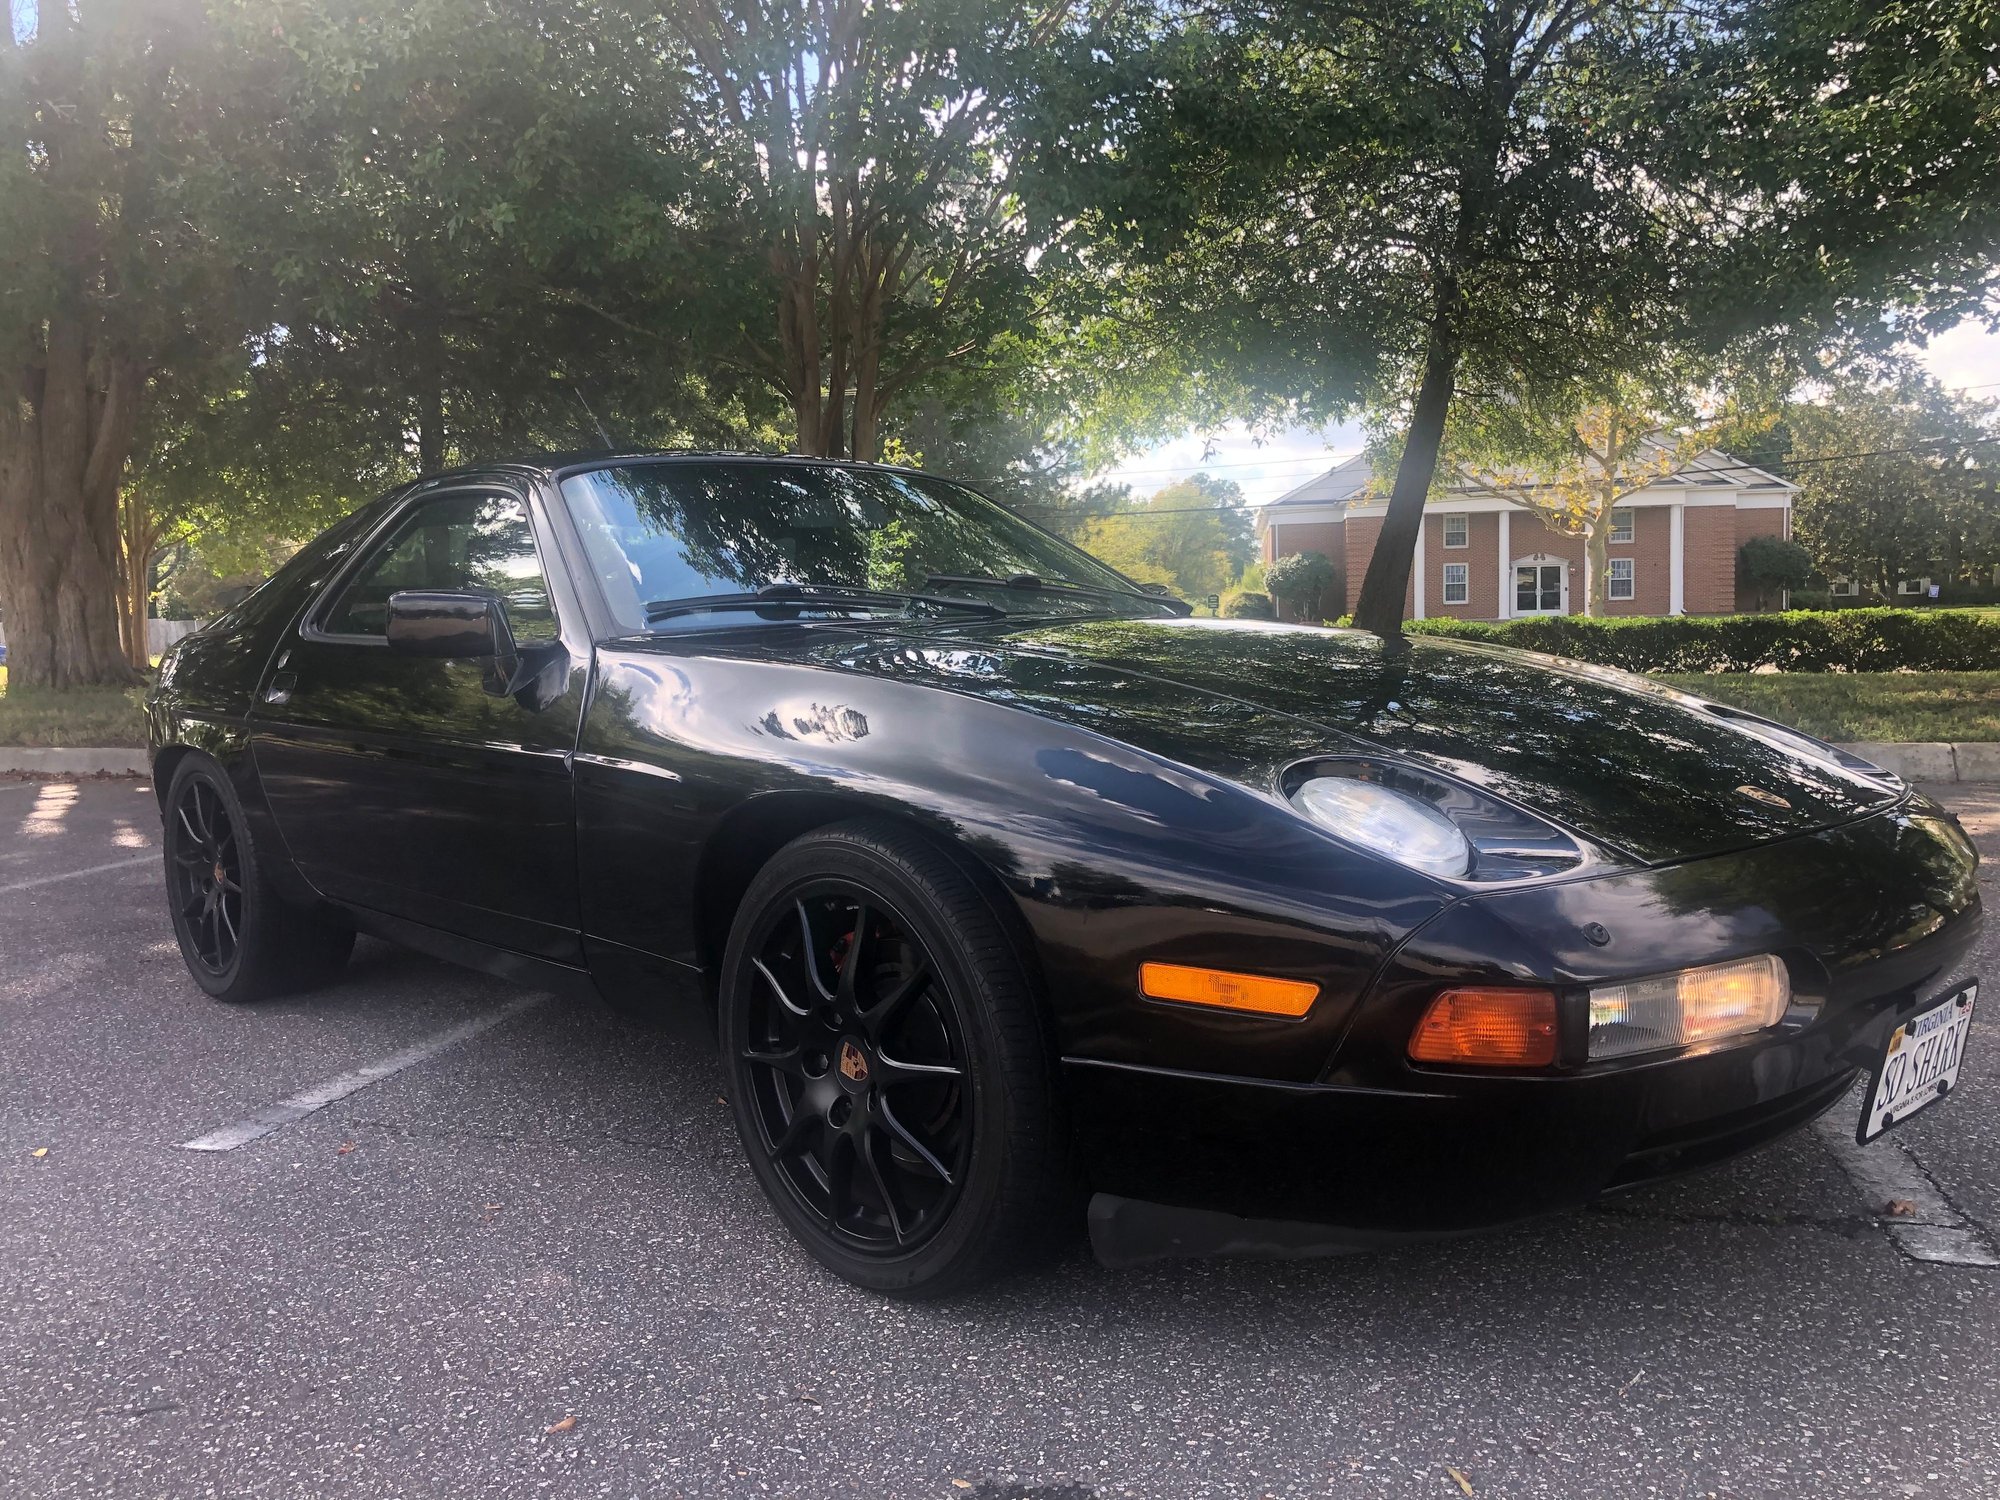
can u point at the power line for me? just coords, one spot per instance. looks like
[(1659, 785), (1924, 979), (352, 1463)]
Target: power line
[(1738, 468)]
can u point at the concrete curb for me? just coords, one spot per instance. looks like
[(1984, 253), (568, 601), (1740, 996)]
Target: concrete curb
[(112, 760), (1933, 760)]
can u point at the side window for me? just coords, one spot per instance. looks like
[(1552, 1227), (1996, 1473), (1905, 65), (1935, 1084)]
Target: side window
[(480, 543)]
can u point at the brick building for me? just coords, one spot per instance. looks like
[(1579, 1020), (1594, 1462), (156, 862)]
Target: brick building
[(1482, 556)]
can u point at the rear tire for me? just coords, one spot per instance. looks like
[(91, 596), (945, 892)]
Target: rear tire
[(890, 1065), (241, 940)]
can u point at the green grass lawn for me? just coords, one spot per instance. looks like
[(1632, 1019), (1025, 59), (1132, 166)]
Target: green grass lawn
[(1864, 705), (92, 716)]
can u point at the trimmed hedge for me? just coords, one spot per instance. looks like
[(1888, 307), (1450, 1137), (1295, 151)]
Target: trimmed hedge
[(1855, 640)]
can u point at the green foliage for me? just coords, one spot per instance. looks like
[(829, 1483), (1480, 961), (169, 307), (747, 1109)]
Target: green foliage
[(1301, 580), (1923, 497), (1247, 605), (1771, 564), (891, 550), (1854, 640), (1188, 536), (1812, 109)]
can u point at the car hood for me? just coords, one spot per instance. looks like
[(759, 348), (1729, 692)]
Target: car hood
[(1638, 768)]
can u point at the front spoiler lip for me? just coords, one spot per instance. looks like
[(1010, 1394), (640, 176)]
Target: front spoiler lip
[(1127, 1232)]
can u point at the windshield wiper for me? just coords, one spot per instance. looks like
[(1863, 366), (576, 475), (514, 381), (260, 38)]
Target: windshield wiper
[(798, 596), (1034, 583)]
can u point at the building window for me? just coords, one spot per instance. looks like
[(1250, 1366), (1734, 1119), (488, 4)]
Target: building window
[(1621, 578), (1455, 585), (1844, 588), (1456, 532), (1621, 526), (1913, 586)]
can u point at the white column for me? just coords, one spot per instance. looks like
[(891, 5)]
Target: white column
[(1505, 598), (1417, 578), (1676, 555)]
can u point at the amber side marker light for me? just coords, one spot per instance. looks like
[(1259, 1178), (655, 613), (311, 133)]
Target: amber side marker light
[(1255, 993), (1488, 1028)]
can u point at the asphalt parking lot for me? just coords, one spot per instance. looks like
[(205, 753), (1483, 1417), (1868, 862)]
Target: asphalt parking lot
[(530, 1262)]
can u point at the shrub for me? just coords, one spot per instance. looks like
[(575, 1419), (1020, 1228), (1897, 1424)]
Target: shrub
[(1770, 564), (1849, 640), (1300, 580), (1245, 605)]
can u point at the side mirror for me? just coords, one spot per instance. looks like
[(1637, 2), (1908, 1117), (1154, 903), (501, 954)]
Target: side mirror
[(1168, 597), (450, 624)]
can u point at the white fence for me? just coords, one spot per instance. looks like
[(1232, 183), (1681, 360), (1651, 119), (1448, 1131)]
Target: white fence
[(160, 634)]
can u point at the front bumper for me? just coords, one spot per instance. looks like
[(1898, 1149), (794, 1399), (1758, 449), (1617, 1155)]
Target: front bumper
[(1874, 919)]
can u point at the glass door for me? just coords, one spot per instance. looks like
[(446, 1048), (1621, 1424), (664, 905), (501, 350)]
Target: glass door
[(1538, 588)]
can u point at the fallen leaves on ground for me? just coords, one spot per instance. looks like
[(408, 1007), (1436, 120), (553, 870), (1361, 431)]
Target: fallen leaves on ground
[(1901, 1208), (1459, 1479), (39, 1152), (345, 1147), (564, 1425)]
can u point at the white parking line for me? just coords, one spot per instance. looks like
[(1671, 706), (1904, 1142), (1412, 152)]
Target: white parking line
[(1885, 1173), (116, 864), (298, 1106)]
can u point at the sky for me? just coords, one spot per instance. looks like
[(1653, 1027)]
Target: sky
[(1966, 358)]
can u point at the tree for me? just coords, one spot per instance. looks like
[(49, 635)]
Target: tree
[(1771, 565), (876, 231), (1572, 473), (1188, 535), (1411, 205), (1861, 136), (1481, 203), (466, 245), (1301, 580), (1894, 481), (114, 137)]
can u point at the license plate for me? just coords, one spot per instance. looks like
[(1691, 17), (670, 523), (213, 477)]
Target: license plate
[(1920, 1064)]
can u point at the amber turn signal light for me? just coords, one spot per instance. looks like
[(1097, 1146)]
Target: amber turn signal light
[(1256, 993), (1488, 1028)]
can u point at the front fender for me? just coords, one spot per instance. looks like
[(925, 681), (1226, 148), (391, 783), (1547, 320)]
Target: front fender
[(1113, 854)]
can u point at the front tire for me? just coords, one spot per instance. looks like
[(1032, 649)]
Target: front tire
[(890, 1068), (241, 940)]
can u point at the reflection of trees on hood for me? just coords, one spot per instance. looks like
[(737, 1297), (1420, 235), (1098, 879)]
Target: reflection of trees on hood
[(1579, 745)]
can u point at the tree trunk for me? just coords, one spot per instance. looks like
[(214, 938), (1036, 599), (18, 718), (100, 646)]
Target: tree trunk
[(64, 437), (430, 392), (1380, 607), (1597, 564), (138, 545)]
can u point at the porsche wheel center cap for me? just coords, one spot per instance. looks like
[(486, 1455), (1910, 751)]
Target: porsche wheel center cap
[(853, 1064)]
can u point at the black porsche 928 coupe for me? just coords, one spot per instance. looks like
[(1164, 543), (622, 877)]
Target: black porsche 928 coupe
[(1021, 896)]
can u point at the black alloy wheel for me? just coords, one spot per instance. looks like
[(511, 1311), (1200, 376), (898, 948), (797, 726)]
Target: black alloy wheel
[(857, 1065), (239, 936), (205, 876), (890, 1063)]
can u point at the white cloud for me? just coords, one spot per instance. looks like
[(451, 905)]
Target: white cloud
[(1965, 358)]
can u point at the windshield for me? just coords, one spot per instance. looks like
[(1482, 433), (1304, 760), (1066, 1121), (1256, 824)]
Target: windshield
[(669, 532)]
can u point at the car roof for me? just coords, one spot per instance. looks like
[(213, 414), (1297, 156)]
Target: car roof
[(560, 465)]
